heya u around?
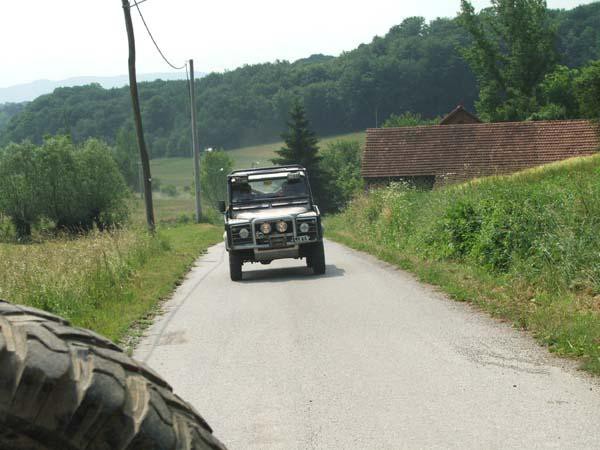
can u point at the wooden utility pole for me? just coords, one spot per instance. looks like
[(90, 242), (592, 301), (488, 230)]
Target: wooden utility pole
[(135, 101), (195, 143)]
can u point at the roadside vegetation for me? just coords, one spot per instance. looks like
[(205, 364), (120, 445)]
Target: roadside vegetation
[(524, 247), (72, 240), (102, 281)]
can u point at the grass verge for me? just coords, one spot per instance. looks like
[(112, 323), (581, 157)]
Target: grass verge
[(522, 247), (102, 281)]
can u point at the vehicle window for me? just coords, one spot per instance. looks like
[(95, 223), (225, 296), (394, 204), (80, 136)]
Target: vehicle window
[(268, 189)]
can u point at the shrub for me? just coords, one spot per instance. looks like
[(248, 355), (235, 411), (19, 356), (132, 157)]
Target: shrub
[(213, 176), (74, 187), (169, 190), (20, 191), (340, 164)]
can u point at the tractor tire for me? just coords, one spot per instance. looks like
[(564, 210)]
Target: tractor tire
[(66, 388)]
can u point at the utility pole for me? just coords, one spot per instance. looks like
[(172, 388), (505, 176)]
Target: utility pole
[(135, 101), (195, 143)]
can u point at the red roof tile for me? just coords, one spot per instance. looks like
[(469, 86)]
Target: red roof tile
[(460, 152)]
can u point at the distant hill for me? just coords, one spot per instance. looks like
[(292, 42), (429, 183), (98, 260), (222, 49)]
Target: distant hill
[(416, 66), (29, 91)]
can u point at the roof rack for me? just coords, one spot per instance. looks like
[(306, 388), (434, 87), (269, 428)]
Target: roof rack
[(261, 170)]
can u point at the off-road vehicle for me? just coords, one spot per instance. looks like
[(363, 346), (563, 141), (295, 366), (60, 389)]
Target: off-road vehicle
[(271, 215)]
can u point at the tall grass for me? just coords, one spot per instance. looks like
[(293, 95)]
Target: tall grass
[(75, 277), (103, 281), (525, 247)]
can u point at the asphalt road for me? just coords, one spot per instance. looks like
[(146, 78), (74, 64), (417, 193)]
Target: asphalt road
[(362, 358)]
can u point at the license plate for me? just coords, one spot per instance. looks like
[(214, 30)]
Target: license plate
[(278, 242)]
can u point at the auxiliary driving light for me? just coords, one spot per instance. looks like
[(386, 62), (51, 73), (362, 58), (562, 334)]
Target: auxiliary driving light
[(265, 228), (304, 227), (281, 227), (244, 233)]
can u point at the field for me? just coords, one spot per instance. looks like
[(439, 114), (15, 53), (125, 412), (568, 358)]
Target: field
[(180, 171), (102, 281), (523, 247)]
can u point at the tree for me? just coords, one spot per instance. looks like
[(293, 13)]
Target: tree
[(215, 167), (557, 95), (408, 119), (514, 47), (341, 164), (104, 193), (301, 147), (587, 85), (301, 143), (127, 157), (73, 186), (20, 191)]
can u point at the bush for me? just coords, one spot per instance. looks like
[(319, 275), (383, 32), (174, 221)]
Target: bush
[(20, 191), (213, 176), (340, 163), (75, 187), (169, 190)]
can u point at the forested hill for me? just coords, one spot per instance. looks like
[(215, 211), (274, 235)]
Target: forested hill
[(415, 67)]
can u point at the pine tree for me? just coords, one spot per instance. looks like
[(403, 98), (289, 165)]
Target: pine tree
[(301, 144), (301, 147)]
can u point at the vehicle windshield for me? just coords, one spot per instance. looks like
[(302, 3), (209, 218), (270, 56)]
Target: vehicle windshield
[(268, 189)]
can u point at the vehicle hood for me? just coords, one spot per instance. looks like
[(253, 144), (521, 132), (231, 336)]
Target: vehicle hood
[(271, 213)]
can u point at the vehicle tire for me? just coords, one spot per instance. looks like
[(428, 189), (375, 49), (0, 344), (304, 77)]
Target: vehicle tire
[(317, 258), (309, 262), (235, 267), (66, 388)]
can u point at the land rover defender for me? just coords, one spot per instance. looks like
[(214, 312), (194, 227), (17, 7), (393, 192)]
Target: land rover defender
[(271, 215)]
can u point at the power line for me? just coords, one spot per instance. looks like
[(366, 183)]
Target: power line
[(153, 40)]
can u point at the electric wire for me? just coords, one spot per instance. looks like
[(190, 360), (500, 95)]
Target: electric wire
[(136, 4)]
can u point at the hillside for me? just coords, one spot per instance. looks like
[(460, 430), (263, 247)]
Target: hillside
[(179, 171), (415, 67), (29, 91), (524, 247)]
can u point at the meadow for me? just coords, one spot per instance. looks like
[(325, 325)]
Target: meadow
[(102, 281), (180, 171), (523, 247)]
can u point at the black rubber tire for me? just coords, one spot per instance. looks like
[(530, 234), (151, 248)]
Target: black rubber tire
[(65, 388), (235, 267), (317, 258), (309, 263)]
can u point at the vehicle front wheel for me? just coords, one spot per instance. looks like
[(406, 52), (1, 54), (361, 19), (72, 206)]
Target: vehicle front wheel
[(235, 267), (317, 258)]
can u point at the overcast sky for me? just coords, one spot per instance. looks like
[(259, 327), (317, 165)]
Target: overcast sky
[(57, 39)]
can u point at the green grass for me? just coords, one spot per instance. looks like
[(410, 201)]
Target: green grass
[(102, 281), (523, 247), (180, 171)]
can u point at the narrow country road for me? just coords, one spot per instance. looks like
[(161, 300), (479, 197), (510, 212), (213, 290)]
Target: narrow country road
[(362, 358)]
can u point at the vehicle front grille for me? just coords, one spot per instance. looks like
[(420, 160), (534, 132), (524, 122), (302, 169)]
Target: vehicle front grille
[(275, 239)]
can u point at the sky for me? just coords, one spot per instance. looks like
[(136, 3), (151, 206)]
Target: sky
[(58, 39)]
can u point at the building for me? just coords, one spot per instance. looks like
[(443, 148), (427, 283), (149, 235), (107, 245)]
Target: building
[(459, 116), (429, 156)]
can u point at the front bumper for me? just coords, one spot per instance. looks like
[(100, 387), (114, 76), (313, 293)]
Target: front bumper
[(274, 243)]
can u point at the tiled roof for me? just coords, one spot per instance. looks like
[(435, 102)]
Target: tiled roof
[(460, 152)]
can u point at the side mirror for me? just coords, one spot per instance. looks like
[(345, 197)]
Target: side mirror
[(222, 207)]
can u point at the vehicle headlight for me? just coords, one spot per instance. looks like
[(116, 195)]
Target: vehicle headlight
[(244, 233), (265, 228), (304, 227), (281, 227)]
